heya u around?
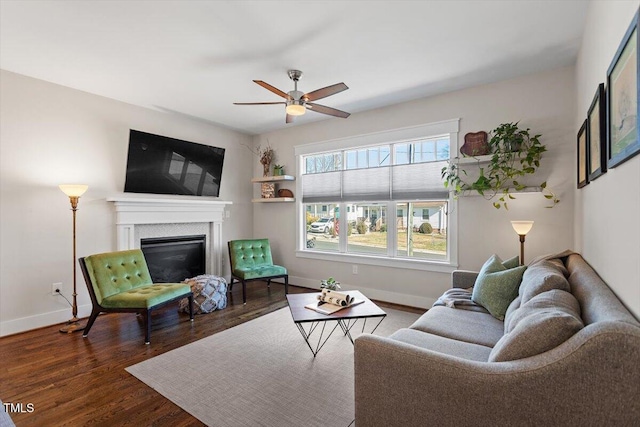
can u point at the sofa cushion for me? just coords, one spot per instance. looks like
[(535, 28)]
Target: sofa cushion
[(554, 299), (513, 307), (463, 325), (444, 345), (559, 265), (543, 323), (541, 277), (496, 286)]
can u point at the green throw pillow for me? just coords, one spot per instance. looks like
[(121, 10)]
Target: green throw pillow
[(512, 262), (496, 286)]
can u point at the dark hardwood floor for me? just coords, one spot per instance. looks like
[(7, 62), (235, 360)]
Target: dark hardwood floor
[(75, 381)]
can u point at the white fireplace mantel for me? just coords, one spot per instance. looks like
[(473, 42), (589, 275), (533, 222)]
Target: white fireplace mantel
[(137, 211)]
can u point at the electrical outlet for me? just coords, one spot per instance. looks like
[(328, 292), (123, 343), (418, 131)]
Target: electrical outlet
[(354, 269), (56, 288)]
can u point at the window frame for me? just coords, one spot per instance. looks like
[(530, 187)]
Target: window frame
[(394, 136)]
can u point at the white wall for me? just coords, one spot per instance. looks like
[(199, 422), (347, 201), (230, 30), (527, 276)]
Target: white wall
[(607, 226), (544, 102), (51, 135)]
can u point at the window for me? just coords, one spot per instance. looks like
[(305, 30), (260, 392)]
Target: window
[(420, 237), (323, 163), (366, 182)]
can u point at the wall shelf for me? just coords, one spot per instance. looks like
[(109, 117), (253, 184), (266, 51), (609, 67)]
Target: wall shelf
[(513, 191), (469, 160), (271, 181), (274, 200), (276, 178)]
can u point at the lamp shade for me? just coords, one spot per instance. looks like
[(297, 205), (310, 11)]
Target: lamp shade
[(296, 109), (522, 227), (73, 190)]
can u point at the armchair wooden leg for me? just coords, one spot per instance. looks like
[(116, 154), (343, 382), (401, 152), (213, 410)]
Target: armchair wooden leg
[(244, 292), (147, 327), (268, 283), (191, 307), (92, 318), (286, 284)]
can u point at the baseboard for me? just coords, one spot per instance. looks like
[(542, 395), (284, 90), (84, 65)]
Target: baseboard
[(376, 294), (23, 324)]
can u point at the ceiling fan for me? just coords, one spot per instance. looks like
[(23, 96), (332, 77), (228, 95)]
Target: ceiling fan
[(297, 102)]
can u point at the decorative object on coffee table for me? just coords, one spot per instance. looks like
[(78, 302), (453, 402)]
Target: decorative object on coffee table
[(475, 144), (330, 283)]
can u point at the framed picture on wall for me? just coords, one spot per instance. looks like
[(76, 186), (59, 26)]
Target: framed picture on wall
[(623, 135), (597, 135), (583, 176)]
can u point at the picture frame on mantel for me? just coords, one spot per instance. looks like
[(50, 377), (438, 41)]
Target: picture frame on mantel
[(583, 146), (623, 133), (597, 134)]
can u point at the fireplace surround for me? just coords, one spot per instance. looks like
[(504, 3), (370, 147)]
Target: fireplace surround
[(136, 214)]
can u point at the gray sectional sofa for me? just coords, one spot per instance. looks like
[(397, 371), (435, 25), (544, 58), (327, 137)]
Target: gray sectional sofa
[(567, 353)]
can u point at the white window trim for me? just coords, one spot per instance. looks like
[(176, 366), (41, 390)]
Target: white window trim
[(450, 127)]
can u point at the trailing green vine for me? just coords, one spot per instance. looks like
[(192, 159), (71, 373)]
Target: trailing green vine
[(514, 154)]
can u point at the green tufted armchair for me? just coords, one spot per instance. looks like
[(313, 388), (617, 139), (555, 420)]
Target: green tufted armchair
[(120, 282), (251, 260)]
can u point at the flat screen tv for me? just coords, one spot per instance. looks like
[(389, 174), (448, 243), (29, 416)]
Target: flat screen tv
[(161, 165)]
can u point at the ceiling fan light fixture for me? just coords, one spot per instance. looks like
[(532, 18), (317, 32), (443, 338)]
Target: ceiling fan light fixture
[(295, 109)]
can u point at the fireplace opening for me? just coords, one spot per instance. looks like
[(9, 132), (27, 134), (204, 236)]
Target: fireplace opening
[(173, 259)]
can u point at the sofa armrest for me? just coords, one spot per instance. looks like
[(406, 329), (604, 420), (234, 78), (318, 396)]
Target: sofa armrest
[(582, 382), (463, 278)]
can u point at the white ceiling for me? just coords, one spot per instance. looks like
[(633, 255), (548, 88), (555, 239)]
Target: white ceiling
[(196, 58)]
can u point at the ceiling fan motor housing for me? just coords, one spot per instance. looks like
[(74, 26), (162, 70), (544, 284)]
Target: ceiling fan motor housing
[(296, 95)]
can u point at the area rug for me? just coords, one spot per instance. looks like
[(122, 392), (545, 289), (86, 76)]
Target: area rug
[(261, 373)]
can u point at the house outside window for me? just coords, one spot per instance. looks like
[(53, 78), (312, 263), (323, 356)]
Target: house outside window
[(365, 182)]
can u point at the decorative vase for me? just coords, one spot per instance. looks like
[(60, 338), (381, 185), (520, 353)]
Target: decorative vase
[(475, 144)]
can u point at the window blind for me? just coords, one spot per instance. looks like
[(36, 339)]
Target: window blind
[(399, 182)]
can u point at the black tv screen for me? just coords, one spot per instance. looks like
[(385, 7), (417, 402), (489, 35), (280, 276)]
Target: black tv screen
[(161, 165)]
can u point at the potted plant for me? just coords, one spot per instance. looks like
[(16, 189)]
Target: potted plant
[(278, 170), (515, 153), (330, 283)]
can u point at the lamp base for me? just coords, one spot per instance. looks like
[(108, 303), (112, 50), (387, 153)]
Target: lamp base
[(72, 326)]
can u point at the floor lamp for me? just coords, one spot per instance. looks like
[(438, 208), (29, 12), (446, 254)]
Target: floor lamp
[(74, 191), (522, 228)]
